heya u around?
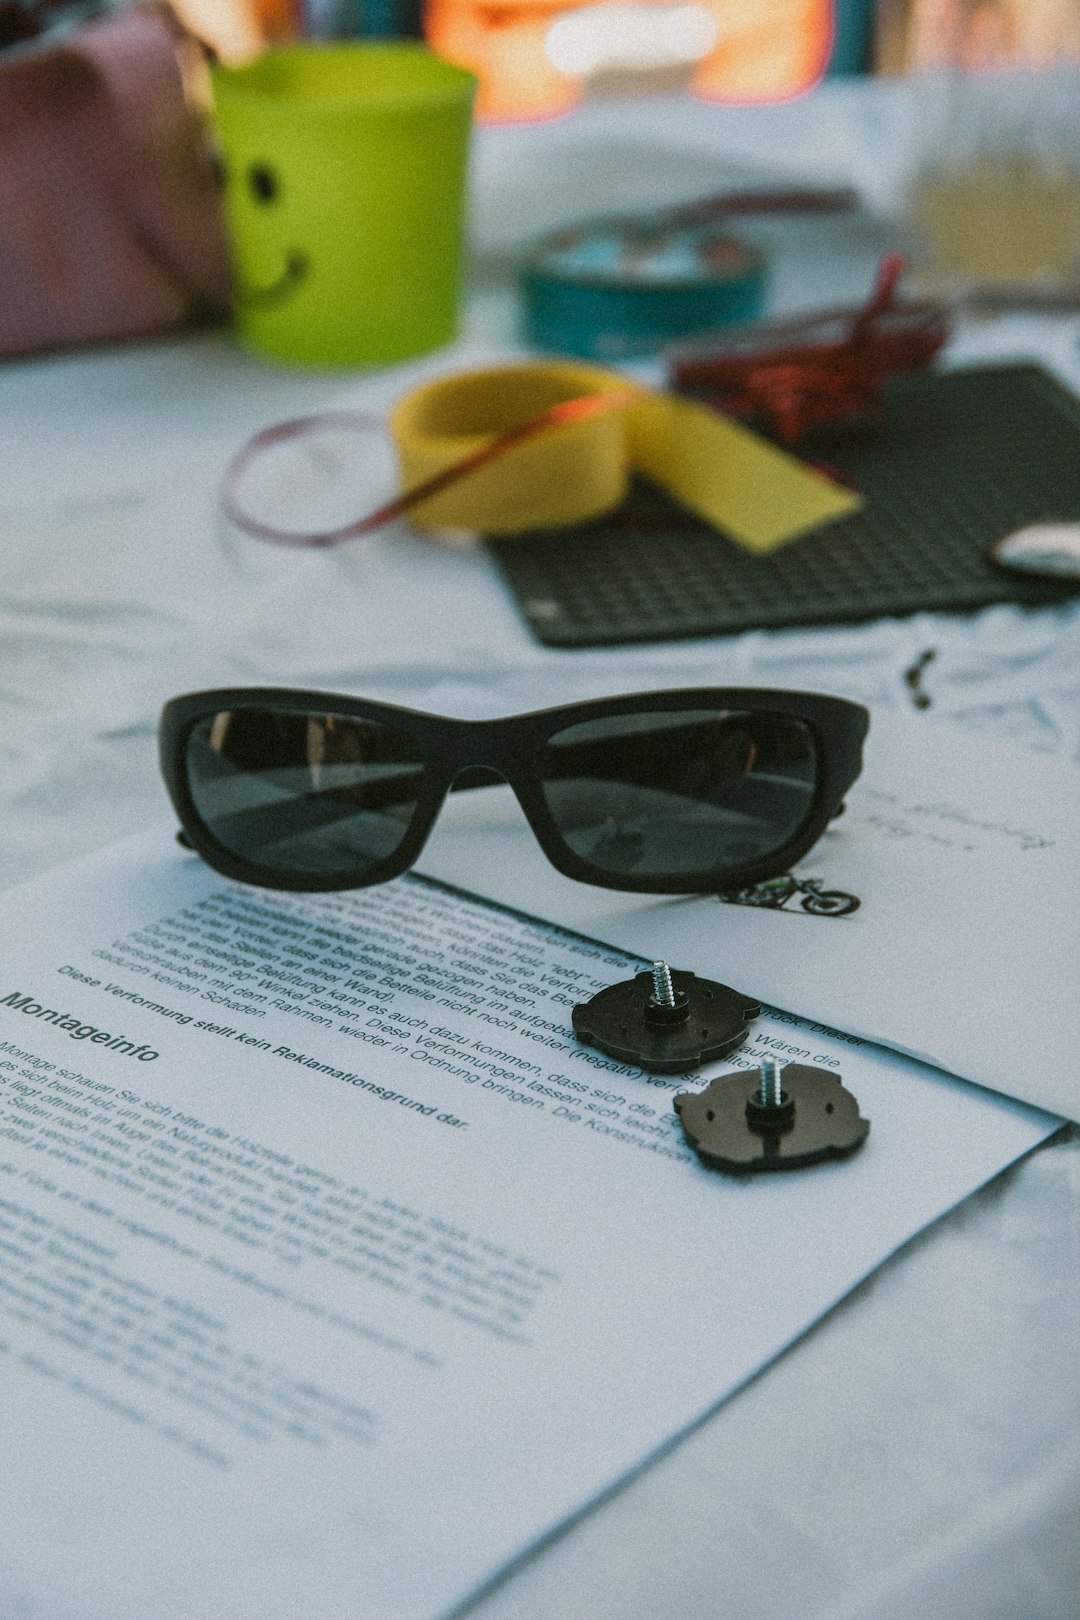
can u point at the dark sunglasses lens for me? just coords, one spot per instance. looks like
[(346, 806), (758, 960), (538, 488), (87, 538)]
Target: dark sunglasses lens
[(310, 794), (679, 794)]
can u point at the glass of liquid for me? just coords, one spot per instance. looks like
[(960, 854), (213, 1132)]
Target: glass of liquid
[(994, 207)]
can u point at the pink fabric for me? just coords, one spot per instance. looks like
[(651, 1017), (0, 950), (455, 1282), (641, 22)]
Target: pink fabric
[(109, 220)]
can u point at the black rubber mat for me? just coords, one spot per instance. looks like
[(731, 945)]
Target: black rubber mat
[(961, 459)]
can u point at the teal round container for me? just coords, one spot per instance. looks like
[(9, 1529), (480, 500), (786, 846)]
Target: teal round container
[(618, 288)]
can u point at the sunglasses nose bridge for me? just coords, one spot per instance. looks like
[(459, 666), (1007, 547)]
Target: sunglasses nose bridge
[(476, 776), (493, 753), (482, 753)]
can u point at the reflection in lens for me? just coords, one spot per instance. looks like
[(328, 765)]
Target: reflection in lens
[(314, 794), (681, 793)]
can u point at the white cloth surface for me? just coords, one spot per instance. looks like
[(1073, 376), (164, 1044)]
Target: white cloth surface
[(917, 1454)]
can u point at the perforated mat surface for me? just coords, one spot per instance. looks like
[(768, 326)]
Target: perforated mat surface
[(962, 458)]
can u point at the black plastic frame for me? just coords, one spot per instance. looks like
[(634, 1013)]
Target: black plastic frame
[(509, 748)]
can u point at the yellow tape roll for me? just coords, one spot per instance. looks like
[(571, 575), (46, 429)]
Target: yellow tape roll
[(742, 485), (565, 475)]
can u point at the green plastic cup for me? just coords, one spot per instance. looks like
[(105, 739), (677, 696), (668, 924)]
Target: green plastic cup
[(344, 196)]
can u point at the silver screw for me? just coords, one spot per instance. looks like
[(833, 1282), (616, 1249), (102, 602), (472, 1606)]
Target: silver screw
[(770, 1094), (663, 989)]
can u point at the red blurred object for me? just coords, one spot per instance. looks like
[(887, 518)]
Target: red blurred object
[(790, 377)]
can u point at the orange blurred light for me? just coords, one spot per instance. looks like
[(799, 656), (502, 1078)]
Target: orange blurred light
[(237, 30), (766, 51), (504, 43), (526, 53)]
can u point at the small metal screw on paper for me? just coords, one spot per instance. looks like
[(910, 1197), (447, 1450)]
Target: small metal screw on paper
[(794, 1116), (665, 1021), (770, 1091)]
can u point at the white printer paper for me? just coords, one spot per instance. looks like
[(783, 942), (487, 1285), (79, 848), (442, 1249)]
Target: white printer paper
[(333, 1274), (964, 859)]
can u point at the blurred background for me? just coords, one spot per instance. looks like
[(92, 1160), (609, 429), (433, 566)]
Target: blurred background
[(537, 58), (967, 140)]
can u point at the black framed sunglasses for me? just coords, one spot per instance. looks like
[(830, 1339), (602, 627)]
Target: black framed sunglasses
[(676, 792)]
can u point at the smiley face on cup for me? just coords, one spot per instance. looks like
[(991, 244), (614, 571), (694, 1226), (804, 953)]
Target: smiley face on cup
[(263, 186), (344, 170)]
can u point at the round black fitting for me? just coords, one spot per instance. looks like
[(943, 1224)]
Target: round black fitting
[(770, 1121), (658, 1012)]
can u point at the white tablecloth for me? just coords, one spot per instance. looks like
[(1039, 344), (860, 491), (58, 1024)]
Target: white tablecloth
[(917, 1454)]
